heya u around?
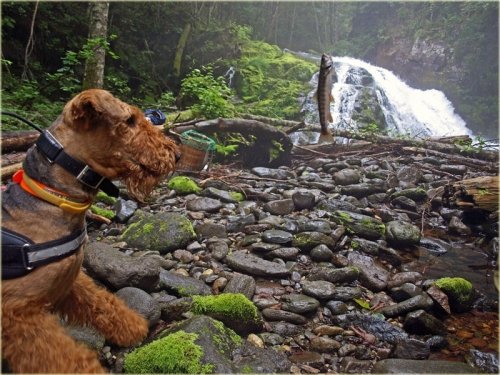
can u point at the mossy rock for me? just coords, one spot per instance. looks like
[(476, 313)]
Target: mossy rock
[(108, 214), (183, 185), (234, 309), (459, 291), (306, 241), (105, 198), (361, 225), (176, 353), (162, 232)]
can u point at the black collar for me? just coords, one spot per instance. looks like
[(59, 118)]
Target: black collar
[(55, 153)]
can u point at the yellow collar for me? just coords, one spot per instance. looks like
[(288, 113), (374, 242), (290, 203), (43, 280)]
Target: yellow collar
[(48, 194)]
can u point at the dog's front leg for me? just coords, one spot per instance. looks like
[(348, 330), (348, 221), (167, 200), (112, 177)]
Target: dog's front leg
[(90, 304), (33, 341)]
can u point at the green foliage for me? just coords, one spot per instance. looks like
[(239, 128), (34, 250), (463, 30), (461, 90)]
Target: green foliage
[(209, 96), (228, 143), (362, 303), (176, 353), (275, 151)]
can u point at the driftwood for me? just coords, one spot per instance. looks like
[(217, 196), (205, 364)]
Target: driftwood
[(273, 121), (9, 170), (480, 192), (12, 158), (18, 140)]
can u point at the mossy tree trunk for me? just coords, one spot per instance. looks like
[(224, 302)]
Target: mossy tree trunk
[(179, 51)]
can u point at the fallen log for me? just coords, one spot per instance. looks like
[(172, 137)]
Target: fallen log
[(9, 170), (480, 192), (13, 158), (18, 140)]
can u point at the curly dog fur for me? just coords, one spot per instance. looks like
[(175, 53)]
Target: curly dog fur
[(117, 141)]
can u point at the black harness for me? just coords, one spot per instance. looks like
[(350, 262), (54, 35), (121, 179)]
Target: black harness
[(20, 255)]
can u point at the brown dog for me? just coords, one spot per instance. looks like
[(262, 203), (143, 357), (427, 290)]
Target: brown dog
[(116, 141)]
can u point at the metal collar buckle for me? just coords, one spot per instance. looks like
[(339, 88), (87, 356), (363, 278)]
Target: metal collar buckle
[(82, 175), (24, 256)]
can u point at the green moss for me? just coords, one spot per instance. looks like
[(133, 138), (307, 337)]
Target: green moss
[(247, 369), (225, 332), (183, 185), (343, 217), (181, 116), (176, 353), (105, 198), (102, 212), (355, 245), (373, 225), (237, 196), (456, 287), (235, 306)]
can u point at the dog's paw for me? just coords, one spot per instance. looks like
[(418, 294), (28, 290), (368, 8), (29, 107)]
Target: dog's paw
[(132, 330)]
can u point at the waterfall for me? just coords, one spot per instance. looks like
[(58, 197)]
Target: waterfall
[(403, 110)]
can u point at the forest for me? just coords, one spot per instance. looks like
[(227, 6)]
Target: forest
[(152, 47)]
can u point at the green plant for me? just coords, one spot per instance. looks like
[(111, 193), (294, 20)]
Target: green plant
[(208, 96)]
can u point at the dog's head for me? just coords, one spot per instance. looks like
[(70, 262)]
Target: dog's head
[(116, 140)]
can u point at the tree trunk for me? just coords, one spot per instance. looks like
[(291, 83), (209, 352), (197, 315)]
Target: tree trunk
[(94, 66), (179, 51)]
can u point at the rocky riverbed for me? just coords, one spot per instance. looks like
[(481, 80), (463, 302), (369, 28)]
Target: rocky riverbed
[(341, 257)]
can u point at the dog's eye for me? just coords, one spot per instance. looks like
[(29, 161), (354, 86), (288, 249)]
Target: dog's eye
[(131, 121)]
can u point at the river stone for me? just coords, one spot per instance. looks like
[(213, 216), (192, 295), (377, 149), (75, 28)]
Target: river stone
[(420, 322), (216, 341), (404, 292), (251, 359), (456, 226), (282, 315), (141, 302), (322, 226), (221, 195), (422, 301), (263, 247), (321, 253), (400, 234), (487, 362), (271, 339), (337, 307), (332, 205), (172, 307), (371, 274), (204, 204), (404, 277), (253, 265), (381, 329), (287, 253), (364, 189), (318, 289), (346, 293), (117, 270), (241, 283), (209, 229), (86, 335), (411, 349), (361, 225), (277, 174), (334, 275), (306, 241), (323, 344), (416, 194), (277, 236), (285, 329), (413, 366), (183, 285), (299, 303), (163, 232), (347, 177), (303, 200), (124, 209), (237, 223), (404, 203), (408, 176), (219, 249), (279, 207)]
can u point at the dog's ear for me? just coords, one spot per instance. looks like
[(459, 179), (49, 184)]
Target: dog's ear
[(84, 109)]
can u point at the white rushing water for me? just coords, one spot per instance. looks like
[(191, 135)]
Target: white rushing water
[(407, 111)]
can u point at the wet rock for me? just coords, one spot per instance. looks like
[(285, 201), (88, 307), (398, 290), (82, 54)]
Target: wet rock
[(321, 253), (404, 203), (319, 289), (361, 225), (322, 226), (285, 329), (253, 265), (346, 349), (306, 241), (299, 303), (371, 274), (116, 270), (422, 301), (420, 322), (277, 236), (204, 204), (351, 365), (263, 247), (408, 176), (222, 195), (337, 307), (251, 359), (487, 362), (437, 342), (172, 308), (401, 234), (209, 229), (366, 246), (364, 189), (456, 226), (434, 245), (324, 344), (411, 366), (411, 349), (332, 205), (141, 302), (241, 283), (86, 335), (405, 291), (286, 253), (308, 358), (378, 327), (182, 285), (415, 194), (334, 275), (280, 207), (455, 169), (161, 232), (271, 339), (440, 298), (124, 209), (237, 223), (219, 249), (303, 200), (282, 315), (347, 177), (277, 174), (326, 330), (346, 293), (404, 277)]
